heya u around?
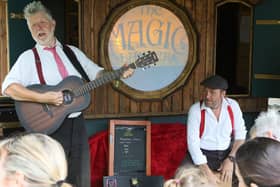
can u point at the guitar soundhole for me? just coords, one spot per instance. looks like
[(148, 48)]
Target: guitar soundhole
[(67, 97)]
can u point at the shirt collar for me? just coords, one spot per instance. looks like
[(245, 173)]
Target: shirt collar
[(224, 104), (41, 47)]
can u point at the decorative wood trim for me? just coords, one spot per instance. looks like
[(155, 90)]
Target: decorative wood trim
[(4, 125), (162, 93), (252, 2), (267, 76), (268, 22), (4, 37), (113, 124), (14, 15)]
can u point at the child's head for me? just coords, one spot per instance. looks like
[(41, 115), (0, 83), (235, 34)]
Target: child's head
[(189, 177)]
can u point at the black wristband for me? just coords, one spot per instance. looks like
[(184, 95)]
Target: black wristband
[(231, 158)]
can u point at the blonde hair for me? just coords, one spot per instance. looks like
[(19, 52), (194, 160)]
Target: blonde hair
[(38, 157), (189, 177)]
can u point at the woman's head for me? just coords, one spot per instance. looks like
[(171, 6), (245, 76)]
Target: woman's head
[(189, 177), (32, 160), (258, 162)]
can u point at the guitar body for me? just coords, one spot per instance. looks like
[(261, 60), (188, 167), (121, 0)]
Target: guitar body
[(45, 118)]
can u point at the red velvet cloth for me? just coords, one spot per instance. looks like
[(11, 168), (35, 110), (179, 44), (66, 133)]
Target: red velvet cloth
[(168, 149)]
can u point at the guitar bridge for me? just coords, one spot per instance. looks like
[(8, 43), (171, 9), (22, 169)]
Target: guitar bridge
[(47, 109)]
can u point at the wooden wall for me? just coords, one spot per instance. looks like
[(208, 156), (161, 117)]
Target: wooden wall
[(108, 102), (4, 43)]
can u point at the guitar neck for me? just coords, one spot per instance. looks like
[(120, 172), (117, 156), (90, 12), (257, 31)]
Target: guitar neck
[(143, 61), (105, 78)]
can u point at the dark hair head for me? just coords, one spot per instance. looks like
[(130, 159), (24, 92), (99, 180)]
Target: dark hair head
[(258, 161), (215, 82)]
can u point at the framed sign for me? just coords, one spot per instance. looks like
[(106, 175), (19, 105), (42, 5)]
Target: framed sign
[(149, 25), (129, 148)]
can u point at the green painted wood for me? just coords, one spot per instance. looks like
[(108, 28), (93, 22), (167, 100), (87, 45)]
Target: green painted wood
[(266, 54)]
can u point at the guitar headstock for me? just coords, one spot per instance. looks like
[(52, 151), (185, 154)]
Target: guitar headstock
[(146, 59)]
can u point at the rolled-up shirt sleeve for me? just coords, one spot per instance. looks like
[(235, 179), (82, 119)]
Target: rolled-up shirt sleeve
[(193, 139), (22, 71)]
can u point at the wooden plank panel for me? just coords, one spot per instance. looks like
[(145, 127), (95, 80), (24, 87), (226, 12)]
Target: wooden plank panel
[(100, 104), (188, 96), (134, 106), (211, 37), (87, 25), (124, 104), (3, 37), (200, 18), (156, 107), (101, 10), (114, 102), (145, 107), (166, 104), (111, 102), (177, 101)]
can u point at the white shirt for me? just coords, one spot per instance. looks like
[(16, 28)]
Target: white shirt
[(217, 133), (24, 70)]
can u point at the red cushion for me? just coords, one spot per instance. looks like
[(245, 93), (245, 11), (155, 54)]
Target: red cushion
[(168, 149)]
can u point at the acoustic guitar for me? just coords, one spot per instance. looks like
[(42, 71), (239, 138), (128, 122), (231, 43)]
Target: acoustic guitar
[(47, 118)]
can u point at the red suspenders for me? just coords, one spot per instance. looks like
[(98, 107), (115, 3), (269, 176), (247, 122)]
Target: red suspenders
[(202, 121), (38, 66), (69, 53)]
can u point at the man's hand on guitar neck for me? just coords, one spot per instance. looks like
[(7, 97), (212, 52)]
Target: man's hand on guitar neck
[(127, 73)]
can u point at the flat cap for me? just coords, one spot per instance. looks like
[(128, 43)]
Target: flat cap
[(215, 82)]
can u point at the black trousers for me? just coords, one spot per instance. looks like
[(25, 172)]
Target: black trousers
[(214, 161), (72, 135)]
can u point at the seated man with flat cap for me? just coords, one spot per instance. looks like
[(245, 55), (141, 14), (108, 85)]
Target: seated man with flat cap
[(215, 130)]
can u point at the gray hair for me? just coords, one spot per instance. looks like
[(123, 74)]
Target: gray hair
[(265, 122), (35, 7), (40, 158)]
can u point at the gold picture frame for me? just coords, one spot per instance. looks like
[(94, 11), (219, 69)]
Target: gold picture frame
[(181, 56)]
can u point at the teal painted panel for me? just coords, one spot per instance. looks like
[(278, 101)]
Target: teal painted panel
[(268, 9), (266, 88), (266, 55), (266, 49), (20, 38), (94, 126)]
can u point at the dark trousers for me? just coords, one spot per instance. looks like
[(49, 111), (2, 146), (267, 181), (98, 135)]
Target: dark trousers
[(215, 158), (214, 161), (72, 135)]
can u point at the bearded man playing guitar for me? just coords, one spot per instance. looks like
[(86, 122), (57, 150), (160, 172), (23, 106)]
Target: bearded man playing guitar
[(71, 133)]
